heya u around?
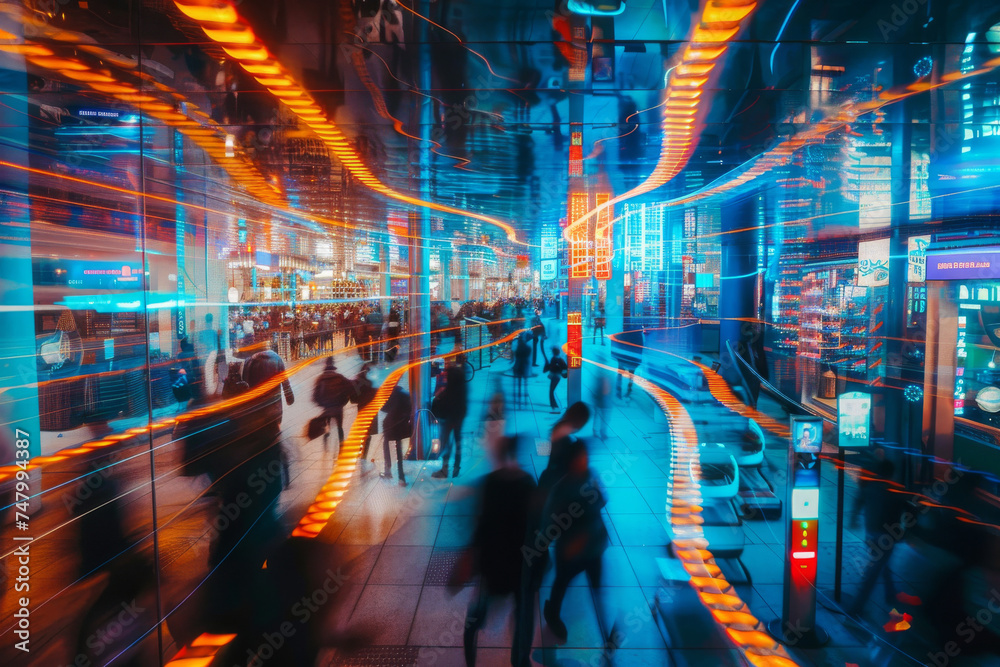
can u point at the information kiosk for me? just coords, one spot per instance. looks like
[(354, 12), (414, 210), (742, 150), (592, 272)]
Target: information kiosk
[(797, 625)]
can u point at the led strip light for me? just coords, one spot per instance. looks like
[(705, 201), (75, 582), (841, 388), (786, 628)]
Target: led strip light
[(223, 24), (195, 124), (719, 23), (781, 154), (684, 507), (322, 509)]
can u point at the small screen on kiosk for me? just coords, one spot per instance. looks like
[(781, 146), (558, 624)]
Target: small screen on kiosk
[(807, 436)]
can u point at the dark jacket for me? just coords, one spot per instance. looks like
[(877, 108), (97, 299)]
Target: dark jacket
[(332, 390), (455, 398), (262, 367), (522, 358), (503, 520), (585, 535), (555, 366), (397, 415)]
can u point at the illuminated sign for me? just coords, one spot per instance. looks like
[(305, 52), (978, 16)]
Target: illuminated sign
[(550, 269), (602, 239), (805, 503), (873, 263), (574, 339), (576, 151), (807, 434), (854, 411), (579, 251), (549, 247), (974, 263), (916, 258)]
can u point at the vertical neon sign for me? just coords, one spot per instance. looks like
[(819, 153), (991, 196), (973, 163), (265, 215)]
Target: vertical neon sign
[(602, 239), (579, 256), (574, 339)]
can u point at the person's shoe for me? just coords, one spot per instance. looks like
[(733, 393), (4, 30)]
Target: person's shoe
[(385, 475), (454, 473), (402, 482), (555, 624), (440, 474)]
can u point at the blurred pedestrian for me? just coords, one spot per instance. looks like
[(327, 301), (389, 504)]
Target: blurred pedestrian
[(332, 392), (396, 427), (538, 337), (494, 426), (363, 394), (234, 384), (628, 354), (453, 404), (536, 544), (602, 406), (521, 369), (266, 367), (882, 506), (599, 321), (557, 369), (573, 513), (496, 546)]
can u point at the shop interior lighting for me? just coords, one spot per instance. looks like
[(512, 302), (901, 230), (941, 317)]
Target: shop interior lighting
[(719, 22), (223, 24)]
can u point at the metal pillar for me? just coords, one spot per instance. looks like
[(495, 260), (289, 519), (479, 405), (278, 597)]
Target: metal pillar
[(895, 319), (445, 255), (384, 279), (738, 273), (420, 233), (18, 371), (577, 183)]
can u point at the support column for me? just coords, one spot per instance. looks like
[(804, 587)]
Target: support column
[(738, 273), (384, 280), (895, 319), (577, 188), (445, 255), (466, 293), (18, 371), (420, 234)]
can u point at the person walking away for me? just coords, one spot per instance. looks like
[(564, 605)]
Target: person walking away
[(537, 337), (494, 426), (454, 400), (536, 544), (581, 542), (628, 355), (522, 353), (496, 546), (557, 369), (234, 384), (882, 507), (602, 404), (363, 394), (396, 428), (266, 366), (599, 322), (332, 392)]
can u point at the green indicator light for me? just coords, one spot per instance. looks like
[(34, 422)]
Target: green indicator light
[(804, 525)]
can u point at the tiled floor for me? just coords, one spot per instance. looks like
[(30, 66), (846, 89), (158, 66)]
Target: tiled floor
[(412, 536)]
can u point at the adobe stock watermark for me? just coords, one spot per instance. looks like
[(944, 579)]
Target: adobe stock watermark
[(104, 637), (900, 15), (967, 630), (557, 523), (895, 532)]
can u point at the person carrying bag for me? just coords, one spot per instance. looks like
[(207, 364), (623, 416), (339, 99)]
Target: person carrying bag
[(557, 369)]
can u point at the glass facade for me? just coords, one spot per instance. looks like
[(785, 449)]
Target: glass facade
[(747, 210)]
